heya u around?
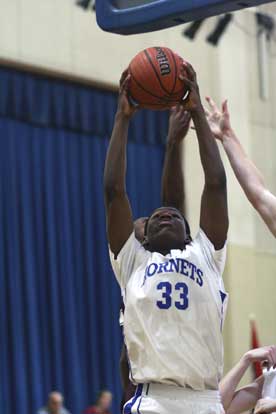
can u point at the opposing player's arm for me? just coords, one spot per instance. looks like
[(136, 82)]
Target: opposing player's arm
[(238, 401), (172, 179), (251, 181), (246, 398), (246, 172), (214, 211), (118, 210)]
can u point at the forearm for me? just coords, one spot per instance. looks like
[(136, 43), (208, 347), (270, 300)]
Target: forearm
[(209, 153), (229, 383), (172, 179), (246, 172), (115, 165)]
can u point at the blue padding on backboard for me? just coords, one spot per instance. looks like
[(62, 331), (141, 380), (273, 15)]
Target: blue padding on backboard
[(140, 16)]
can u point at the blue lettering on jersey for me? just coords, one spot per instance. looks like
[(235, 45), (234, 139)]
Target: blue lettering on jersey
[(178, 265)]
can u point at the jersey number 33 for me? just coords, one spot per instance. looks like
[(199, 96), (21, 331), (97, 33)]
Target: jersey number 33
[(181, 292)]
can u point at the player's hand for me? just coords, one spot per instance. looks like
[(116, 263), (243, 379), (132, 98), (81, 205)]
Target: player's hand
[(266, 355), (124, 105), (188, 76), (265, 405), (219, 120), (179, 124)]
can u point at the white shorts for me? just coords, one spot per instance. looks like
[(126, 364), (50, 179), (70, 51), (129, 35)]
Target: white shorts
[(169, 399)]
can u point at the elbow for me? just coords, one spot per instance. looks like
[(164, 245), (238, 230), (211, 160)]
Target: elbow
[(226, 405), (223, 398), (229, 410)]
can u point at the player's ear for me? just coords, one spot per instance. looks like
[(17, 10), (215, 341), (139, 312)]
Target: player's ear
[(145, 242)]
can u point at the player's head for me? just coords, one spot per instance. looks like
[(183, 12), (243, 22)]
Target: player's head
[(55, 402), (104, 400), (139, 227), (166, 229)]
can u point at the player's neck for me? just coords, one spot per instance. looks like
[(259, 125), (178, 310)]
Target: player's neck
[(164, 250)]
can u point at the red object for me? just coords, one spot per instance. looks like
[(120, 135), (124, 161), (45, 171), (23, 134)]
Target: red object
[(94, 410), (257, 367), (155, 82)]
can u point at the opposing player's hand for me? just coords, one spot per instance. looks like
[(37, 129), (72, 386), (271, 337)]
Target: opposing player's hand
[(188, 76), (266, 355), (179, 124), (219, 120), (124, 105), (265, 405)]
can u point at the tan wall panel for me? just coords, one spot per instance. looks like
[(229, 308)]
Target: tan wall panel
[(251, 282)]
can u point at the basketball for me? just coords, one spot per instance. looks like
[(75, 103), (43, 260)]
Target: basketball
[(155, 82)]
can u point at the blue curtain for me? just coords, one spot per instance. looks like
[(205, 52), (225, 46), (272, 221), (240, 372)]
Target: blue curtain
[(59, 302)]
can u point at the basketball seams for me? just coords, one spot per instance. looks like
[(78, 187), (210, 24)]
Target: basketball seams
[(142, 87), (165, 98), (175, 69), (147, 82), (156, 73)]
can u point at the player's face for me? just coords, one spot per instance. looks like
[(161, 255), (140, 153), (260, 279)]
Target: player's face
[(166, 229), (55, 404), (105, 401)]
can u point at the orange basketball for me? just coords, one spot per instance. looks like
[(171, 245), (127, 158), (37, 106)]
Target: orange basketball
[(155, 82)]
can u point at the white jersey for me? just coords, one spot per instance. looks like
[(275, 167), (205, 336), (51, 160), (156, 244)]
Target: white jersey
[(174, 313), (269, 387)]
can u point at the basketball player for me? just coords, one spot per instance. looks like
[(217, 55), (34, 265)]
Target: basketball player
[(246, 172), (262, 200), (172, 195), (172, 287), (260, 394)]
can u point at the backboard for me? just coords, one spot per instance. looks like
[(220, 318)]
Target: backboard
[(140, 16)]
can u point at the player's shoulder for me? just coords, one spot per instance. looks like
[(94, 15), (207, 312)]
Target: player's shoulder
[(199, 241), (211, 258)]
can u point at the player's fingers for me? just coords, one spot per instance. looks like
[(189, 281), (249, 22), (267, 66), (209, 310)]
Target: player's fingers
[(187, 117), (186, 114), (125, 84), (273, 351), (190, 71), (224, 107), (123, 76), (186, 73), (212, 104), (272, 356), (187, 82), (207, 112), (182, 112), (270, 362), (257, 408)]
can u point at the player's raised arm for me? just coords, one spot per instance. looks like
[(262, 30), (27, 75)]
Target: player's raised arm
[(214, 212), (246, 172), (118, 210), (238, 401), (172, 179)]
